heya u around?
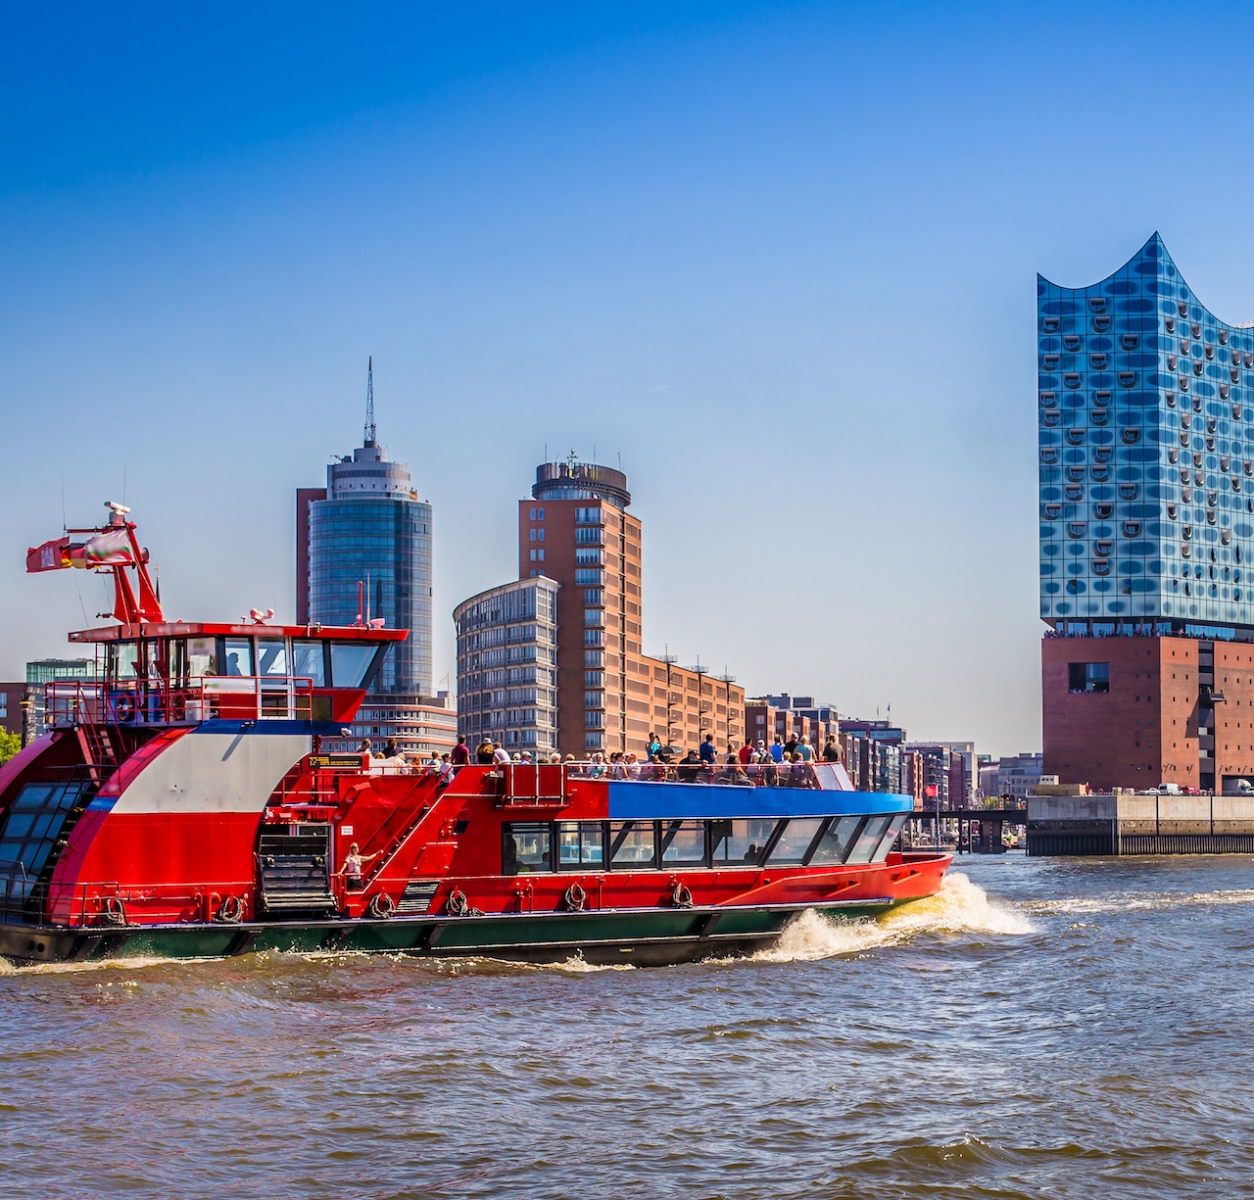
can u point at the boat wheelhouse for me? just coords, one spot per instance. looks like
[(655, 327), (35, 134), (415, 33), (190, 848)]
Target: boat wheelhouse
[(181, 805)]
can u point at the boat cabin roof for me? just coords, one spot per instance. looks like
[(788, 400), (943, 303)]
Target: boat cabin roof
[(177, 629)]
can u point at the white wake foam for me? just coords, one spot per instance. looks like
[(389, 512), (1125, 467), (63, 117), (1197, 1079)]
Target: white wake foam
[(960, 907)]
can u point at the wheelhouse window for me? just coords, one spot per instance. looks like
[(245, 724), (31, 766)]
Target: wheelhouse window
[(869, 839), (350, 661), (580, 844), (123, 660), (202, 657), (632, 844), (526, 848), (308, 662), (739, 843), (835, 842), (271, 656), (683, 843), (239, 656), (795, 840)]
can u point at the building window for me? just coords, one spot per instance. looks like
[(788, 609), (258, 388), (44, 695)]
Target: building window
[(1088, 677), (533, 532), (540, 534)]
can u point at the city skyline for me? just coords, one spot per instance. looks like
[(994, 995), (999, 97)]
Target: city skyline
[(783, 260)]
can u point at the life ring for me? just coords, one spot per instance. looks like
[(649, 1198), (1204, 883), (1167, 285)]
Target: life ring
[(381, 905), (231, 911), (681, 897), (115, 912), (575, 898), (123, 707)]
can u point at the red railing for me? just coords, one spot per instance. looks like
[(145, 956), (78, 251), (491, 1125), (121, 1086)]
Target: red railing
[(70, 702)]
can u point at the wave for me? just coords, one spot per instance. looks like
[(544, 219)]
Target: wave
[(99, 964), (960, 907), (1132, 901)]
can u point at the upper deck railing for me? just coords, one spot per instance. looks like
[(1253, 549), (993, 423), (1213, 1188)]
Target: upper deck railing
[(771, 774), (71, 702)]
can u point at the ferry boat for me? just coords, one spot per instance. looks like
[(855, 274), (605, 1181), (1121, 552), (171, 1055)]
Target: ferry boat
[(180, 805)]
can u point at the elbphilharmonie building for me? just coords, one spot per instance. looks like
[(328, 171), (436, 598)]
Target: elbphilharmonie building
[(1146, 415)]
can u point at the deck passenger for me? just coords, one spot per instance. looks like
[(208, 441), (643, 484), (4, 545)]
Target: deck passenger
[(354, 860), (831, 752), (689, 769), (509, 858), (499, 753)]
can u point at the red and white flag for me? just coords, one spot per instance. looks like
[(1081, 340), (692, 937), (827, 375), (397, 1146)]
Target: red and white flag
[(51, 556)]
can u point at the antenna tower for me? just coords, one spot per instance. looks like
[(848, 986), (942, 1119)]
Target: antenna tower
[(370, 433)]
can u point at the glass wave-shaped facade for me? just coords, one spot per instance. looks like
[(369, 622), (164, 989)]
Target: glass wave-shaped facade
[(1146, 415)]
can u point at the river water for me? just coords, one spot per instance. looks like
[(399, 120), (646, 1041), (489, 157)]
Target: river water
[(1041, 1028)]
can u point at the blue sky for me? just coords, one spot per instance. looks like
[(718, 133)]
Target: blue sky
[(781, 258)]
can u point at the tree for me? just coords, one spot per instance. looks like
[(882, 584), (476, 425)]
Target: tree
[(10, 744)]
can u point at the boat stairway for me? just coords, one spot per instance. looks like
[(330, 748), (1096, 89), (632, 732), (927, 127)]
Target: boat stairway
[(96, 743), (294, 864)]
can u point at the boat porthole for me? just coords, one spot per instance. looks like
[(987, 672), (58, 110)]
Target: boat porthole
[(40, 947)]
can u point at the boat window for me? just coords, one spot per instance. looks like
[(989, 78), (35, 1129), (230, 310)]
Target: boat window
[(271, 656), (631, 844), (886, 842), (869, 839), (239, 656), (526, 847), (308, 663), (34, 821), (123, 659), (683, 843), (795, 841), (349, 663), (158, 658), (580, 843), (739, 843), (202, 657), (836, 841)]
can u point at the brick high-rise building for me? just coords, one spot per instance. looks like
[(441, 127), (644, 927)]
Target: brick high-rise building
[(575, 530)]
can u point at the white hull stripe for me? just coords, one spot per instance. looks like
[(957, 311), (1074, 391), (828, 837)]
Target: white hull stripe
[(214, 773)]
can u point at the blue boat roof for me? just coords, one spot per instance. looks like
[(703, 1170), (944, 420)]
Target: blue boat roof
[(632, 800)]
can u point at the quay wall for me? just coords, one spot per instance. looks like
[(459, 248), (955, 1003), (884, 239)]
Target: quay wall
[(1107, 824)]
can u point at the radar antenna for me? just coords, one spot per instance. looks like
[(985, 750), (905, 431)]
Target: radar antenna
[(370, 431)]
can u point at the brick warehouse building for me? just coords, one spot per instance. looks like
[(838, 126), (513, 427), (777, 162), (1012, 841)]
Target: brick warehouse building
[(1146, 413)]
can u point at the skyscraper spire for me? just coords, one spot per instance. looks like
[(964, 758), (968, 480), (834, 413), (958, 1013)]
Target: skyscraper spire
[(370, 432)]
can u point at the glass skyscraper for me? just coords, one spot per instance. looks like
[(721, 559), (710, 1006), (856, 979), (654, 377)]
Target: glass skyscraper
[(1146, 418), (369, 549)]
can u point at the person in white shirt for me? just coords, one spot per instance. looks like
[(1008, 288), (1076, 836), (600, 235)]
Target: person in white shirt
[(499, 754)]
